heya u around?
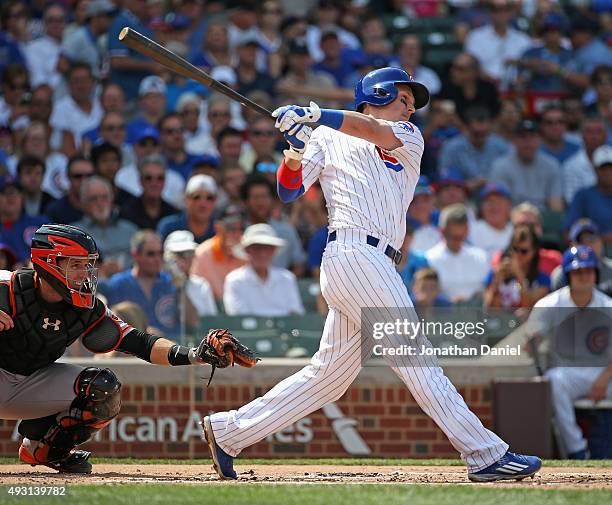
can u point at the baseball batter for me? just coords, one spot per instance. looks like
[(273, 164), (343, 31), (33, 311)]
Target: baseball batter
[(42, 312), (368, 165)]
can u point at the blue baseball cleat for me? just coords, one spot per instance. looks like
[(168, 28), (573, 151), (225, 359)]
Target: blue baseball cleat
[(223, 463), (510, 467)]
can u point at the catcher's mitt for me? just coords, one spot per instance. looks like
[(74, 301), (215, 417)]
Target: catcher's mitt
[(221, 349)]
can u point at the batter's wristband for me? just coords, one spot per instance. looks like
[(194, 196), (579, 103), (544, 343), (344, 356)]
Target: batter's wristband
[(332, 118), (290, 179)]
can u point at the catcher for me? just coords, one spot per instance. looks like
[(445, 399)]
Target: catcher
[(42, 312)]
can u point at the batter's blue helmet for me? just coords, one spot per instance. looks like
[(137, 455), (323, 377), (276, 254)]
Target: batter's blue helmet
[(378, 88), (580, 256)]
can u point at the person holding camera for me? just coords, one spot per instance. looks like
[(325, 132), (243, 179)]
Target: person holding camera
[(517, 281)]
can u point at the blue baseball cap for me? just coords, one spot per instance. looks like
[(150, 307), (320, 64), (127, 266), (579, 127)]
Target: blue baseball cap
[(581, 226), (553, 21), (148, 132), (8, 181), (206, 159), (578, 257), (450, 177), (423, 187), (495, 188)]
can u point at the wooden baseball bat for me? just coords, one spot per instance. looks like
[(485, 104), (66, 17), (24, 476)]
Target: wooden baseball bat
[(174, 62)]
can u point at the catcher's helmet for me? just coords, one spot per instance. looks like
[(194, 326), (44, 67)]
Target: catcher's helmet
[(378, 88), (76, 280), (580, 256)]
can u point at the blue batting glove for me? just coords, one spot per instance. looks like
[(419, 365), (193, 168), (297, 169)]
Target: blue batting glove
[(297, 138)]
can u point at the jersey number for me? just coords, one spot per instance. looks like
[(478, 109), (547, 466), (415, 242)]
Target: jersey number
[(390, 161)]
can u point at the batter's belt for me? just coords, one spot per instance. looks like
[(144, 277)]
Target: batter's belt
[(394, 254)]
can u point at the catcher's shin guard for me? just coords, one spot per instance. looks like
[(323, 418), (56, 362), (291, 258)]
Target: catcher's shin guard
[(97, 402)]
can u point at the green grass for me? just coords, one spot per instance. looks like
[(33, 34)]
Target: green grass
[(329, 461), (254, 494)]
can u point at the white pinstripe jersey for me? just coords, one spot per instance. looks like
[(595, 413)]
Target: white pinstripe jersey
[(365, 187)]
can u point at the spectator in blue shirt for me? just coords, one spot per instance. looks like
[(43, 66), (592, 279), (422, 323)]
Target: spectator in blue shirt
[(595, 202), (333, 62), (129, 67), (249, 77), (589, 52), (422, 217), (200, 198), (68, 209), (473, 152), (16, 227), (541, 65), (146, 284), (13, 20), (215, 48), (172, 143), (415, 260), (9, 52), (151, 105), (552, 131)]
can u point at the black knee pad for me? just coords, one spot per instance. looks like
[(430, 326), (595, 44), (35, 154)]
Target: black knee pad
[(97, 402)]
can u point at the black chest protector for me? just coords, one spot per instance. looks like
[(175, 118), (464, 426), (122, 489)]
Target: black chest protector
[(42, 331)]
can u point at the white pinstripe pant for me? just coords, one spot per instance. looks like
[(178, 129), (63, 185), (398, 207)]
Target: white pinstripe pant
[(356, 275)]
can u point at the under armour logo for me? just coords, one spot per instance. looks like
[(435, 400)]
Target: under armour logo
[(56, 324)]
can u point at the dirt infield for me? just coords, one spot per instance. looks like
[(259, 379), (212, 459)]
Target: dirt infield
[(572, 477)]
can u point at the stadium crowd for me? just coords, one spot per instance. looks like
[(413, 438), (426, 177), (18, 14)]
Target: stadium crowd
[(177, 183)]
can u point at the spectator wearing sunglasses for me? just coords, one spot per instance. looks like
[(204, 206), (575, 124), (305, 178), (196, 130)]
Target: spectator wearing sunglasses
[(111, 130), (217, 117), (146, 210), (128, 177), (553, 129), (188, 107), (517, 280), (263, 140), (172, 143), (68, 209), (146, 284), (200, 199)]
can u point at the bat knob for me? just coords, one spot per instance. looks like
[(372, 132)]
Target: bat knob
[(123, 33)]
